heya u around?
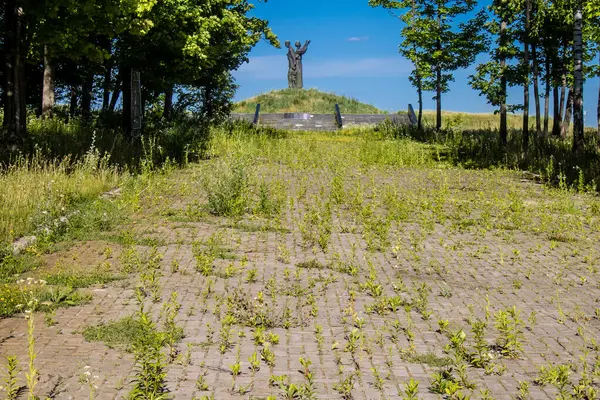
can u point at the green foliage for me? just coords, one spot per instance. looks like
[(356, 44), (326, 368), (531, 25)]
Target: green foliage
[(118, 334), (435, 43), (150, 375), (10, 383), (14, 295), (79, 279), (303, 100), (41, 195), (227, 188), (510, 327)]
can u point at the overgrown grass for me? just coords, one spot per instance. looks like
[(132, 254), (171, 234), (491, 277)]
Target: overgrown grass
[(307, 149), (550, 158), (180, 139), (470, 121), (303, 100), (78, 279), (37, 193), (14, 296), (119, 334)]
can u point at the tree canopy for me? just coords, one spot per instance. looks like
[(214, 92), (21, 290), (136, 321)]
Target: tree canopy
[(83, 51)]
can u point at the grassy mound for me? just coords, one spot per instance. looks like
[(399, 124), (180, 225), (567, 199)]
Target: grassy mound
[(303, 100)]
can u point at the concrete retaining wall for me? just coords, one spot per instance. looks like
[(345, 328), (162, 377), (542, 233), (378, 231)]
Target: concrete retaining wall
[(320, 122)]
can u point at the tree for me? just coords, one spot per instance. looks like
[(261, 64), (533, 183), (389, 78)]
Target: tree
[(408, 48), (187, 41), (84, 50), (526, 72), (492, 78), (44, 31), (14, 125), (578, 137), (436, 43), (592, 14)]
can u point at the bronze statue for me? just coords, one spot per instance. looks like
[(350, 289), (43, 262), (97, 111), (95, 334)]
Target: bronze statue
[(295, 79), (291, 55)]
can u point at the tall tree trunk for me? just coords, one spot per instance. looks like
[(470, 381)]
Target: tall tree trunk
[(536, 91), (556, 112), (563, 90), (208, 101), (15, 112), (117, 91), (526, 86), (438, 80), (48, 84), (168, 103), (418, 78), (547, 95), (578, 137), (106, 85), (115, 98), (10, 43), (73, 101), (503, 84), (126, 75), (568, 114), (86, 95)]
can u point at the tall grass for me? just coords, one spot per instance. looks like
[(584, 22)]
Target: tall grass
[(300, 150), (550, 158), (476, 121), (35, 189), (57, 138)]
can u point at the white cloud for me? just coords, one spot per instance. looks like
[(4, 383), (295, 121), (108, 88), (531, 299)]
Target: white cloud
[(358, 38), (275, 67)]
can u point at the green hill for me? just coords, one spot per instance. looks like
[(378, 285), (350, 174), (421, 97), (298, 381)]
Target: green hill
[(303, 100)]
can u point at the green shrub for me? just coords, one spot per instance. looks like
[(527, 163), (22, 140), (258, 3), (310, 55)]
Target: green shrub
[(228, 188)]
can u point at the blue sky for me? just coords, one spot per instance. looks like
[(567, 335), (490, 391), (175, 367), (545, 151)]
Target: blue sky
[(354, 52)]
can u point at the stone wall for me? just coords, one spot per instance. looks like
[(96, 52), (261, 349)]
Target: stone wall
[(320, 122)]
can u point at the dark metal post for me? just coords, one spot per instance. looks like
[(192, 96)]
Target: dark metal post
[(411, 115), (256, 113), (338, 116)]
